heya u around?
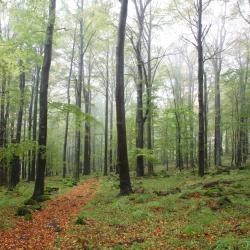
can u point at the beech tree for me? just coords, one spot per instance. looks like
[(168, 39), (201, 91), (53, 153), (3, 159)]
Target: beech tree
[(125, 185), (43, 113)]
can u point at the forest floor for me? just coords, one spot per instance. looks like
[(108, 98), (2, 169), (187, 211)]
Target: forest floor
[(176, 211), (39, 230), (167, 211)]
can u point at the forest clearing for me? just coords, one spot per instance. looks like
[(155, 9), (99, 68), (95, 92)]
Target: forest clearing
[(124, 124)]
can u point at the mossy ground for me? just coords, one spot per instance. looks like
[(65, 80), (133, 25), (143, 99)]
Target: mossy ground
[(192, 219)]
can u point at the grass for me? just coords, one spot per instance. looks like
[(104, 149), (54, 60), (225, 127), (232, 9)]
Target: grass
[(191, 219)]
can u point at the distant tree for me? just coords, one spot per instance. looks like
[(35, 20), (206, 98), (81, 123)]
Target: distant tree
[(65, 144), (79, 97), (15, 163)]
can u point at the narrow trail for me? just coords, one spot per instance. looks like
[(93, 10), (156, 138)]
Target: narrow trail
[(52, 221)]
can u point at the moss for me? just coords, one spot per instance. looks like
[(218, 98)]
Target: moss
[(36, 207), (81, 220), (51, 190), (28, 217), (42, 198), (22, 211), (30, 202)]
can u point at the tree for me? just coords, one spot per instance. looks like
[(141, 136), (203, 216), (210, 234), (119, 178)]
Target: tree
[(78, 98), (215, 53), (15, 163), (68, 102), (43, 113), (200, 38), (125, 185)]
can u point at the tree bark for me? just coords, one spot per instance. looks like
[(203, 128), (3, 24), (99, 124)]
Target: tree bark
[(111, 168), (79, 100), (67, 115), (15, 163), (201, 160), (3, 108), (149, 95), (30, 125), (217, 126), (87, 134), (206, 121), (43, 114), (125, 184), (106, 118), (34, 128)]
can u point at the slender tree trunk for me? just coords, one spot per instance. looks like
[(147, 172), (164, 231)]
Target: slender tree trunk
[(87, 135), (30, 126), (67, 115), (94, 151), (217, 132), (2, 127), (191, 119), (24, 158), (34, 128), (179, 157), (125, 184), (149, 96), (79, 100), (206, 121), (43, 114), (139, 120), (201, 160), (111, 169), (106, 120), (15, 163)]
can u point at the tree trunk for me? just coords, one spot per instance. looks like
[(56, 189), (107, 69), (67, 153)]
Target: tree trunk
[(111, 169), (15, 163), (34, 128), (139, 118), (79, 100), (43, 114), (67, 115), (125, 184), (87, 134), (217, 126), (201, 160), (3, 127), (149, 97), (30, 126), (106, 122), (206, 121)]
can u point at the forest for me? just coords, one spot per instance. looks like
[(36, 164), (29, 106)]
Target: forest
[(124, 124)]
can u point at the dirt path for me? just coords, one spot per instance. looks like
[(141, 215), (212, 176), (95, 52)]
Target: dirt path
[(52, 221)]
